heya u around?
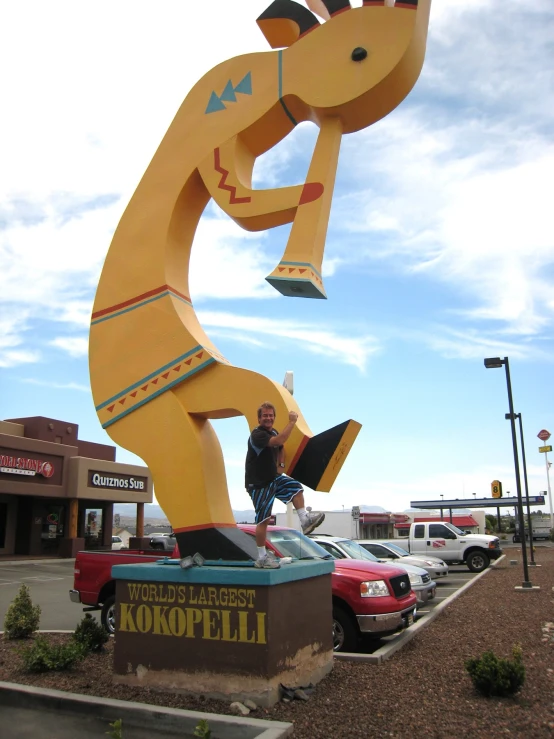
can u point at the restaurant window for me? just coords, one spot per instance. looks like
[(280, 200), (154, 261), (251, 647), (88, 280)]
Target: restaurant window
[(93, 528), (52, 527)]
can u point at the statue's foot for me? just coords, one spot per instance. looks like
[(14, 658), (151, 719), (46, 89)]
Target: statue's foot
[(319, 460), (226, 542), (297, 280)]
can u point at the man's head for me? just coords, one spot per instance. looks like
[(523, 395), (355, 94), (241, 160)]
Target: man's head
[(266, 415)]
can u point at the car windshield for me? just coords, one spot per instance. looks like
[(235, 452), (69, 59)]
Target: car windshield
[(455, 529), (290, 543), (355, 550), (396, 549)]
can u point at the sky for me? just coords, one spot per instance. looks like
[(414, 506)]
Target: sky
[(440, 249)]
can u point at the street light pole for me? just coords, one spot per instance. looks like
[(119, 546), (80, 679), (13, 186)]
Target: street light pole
[(518, 416), (496, 362)]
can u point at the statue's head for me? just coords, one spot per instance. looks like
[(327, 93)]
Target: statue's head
[(358, 64)]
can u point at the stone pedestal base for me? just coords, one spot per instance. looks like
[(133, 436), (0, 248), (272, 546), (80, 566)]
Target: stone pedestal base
[(230, 633)]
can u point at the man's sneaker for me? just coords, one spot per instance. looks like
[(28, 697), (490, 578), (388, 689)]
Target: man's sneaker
[(314, 520), (267, 562)]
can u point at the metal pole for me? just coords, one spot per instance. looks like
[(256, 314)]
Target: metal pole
[(549, 491), (499, 525), (526, 582), (526, 489)]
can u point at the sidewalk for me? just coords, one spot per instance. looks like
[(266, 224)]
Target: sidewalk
[(35, 713)]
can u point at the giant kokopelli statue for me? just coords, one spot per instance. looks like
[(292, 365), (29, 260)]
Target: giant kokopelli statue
[(156, 377)]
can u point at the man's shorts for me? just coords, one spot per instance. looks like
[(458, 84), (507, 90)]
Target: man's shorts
[(282, 487)]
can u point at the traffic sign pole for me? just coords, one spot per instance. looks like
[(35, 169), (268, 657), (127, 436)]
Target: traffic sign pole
[(544, 435), (549, 491)]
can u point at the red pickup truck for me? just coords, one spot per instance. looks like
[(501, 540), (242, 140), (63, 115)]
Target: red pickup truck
[(369, 598)]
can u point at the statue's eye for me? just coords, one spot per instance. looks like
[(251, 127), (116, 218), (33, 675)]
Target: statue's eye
[(359, 54)]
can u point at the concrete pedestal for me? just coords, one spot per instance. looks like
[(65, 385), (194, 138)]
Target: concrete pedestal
[(224, 632)]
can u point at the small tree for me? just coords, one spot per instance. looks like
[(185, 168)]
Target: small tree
[(492, 675), (490, 522), (22, 617), (90, 634)]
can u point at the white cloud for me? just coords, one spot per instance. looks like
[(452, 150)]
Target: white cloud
[(228, 262), (470, 344), (57, 385), (75, 346), (13, 329), (476, 216), (342, 349)]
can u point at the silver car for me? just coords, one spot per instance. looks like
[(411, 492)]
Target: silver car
[(342, 548), (394, 554)]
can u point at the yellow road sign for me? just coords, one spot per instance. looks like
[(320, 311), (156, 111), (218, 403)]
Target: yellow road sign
[(544, 449)]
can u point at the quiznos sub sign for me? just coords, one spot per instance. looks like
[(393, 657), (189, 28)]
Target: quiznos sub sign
[(122, 482)]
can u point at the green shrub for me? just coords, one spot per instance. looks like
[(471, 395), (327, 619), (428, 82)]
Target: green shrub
[(42, 656), (203, 730), (117, 729), (22, 617), (492, 675), (90, 634)]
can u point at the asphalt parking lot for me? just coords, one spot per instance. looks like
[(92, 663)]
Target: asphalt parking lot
[(49, 582)]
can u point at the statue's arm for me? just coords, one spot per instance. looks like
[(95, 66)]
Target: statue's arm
[(227, 174)]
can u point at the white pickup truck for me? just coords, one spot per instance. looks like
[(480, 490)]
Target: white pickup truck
[(540, 526), (451, 544)]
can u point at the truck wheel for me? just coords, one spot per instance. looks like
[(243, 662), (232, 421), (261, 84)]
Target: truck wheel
[(477, 561), (345, 636), (108, 614)]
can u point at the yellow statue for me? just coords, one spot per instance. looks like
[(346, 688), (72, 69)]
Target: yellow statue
[(156, 377)]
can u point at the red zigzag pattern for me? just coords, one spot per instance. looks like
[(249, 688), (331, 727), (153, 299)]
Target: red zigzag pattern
[(223, 181)]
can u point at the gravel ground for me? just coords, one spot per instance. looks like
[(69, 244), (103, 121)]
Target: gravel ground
[(422, 691)]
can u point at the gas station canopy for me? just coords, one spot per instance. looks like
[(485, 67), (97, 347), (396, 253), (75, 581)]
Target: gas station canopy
[(508, 502)]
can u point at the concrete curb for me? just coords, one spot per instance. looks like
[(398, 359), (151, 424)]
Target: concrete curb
[(159, 718), (51, 560), (388, 650)]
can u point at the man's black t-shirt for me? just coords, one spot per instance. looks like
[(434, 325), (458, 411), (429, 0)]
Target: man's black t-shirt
[(261, 459)]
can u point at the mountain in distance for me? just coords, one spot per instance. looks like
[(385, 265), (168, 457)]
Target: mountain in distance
[(151, 510)]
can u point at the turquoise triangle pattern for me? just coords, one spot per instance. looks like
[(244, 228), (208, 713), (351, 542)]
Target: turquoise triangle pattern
[(228, 94), (245, 85), (214, 104)]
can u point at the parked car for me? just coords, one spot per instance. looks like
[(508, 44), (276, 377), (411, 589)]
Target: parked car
[(165, 542), (117, 543), (369, 598), (390, 551), (342, 548), (453, 544)]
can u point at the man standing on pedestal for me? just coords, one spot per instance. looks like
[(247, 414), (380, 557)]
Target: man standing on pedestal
[(265, 480)]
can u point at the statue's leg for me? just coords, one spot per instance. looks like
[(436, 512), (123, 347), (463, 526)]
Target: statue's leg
[(184, 456), (222, 391)]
